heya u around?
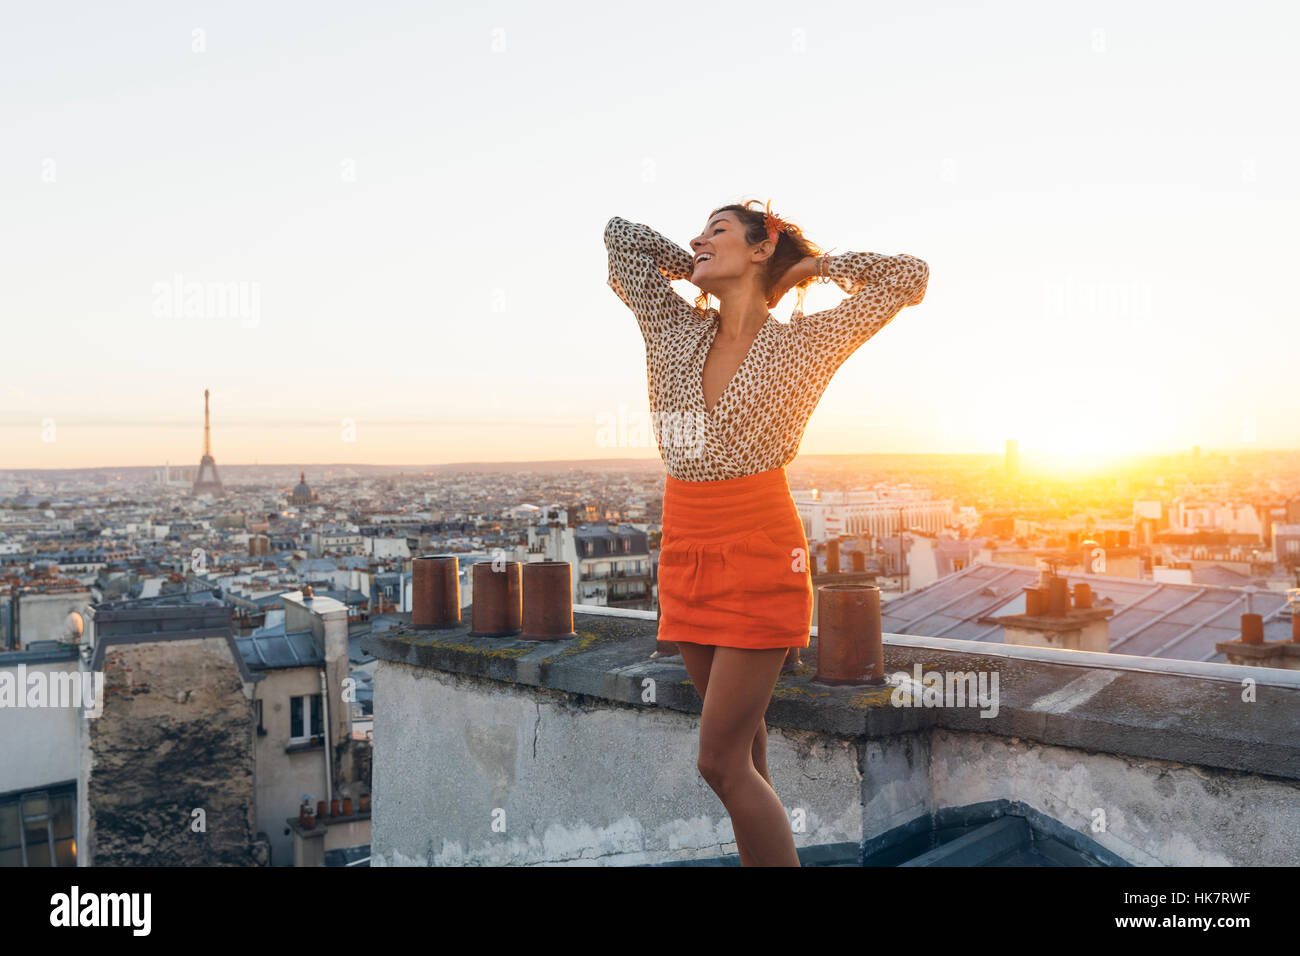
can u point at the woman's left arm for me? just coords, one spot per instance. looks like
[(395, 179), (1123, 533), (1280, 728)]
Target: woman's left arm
[(879, 287)]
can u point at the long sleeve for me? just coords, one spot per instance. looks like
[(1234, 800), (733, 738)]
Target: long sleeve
[(879, 287), (642, 266)]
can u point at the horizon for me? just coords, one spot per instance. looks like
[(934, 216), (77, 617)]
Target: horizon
[(1029, 465)]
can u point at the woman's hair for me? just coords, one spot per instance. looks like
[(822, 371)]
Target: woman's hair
[(791, 247)]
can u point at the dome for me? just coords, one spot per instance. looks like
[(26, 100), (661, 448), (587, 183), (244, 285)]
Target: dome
[(301, 493)]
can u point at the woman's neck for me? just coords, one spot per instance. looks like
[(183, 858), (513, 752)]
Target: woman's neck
[(741, 317)]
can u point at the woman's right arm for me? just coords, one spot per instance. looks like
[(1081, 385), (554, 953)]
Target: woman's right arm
[(642, 266)]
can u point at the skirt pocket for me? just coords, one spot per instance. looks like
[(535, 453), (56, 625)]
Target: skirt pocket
[(691, 575), (777, 562)]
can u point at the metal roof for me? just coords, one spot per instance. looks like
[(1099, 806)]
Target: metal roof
[(276, 651), (1151, 619)]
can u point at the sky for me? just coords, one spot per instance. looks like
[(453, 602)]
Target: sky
[(403, 206)]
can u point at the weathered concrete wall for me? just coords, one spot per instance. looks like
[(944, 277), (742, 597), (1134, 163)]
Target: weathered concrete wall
[(570, 779), (468, 771), (38, 745), (176, 735), (1150, 812)]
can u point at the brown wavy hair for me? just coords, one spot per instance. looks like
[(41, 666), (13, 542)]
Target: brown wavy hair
[(791, 247)]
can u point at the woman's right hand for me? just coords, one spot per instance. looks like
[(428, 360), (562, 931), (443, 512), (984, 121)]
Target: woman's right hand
[(798, 274)]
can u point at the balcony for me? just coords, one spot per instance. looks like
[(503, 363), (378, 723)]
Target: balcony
[(620, 575)]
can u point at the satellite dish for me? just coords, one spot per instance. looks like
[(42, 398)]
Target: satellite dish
[(73, 626)]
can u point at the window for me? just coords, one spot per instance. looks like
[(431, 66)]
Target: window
[(305, 718), (39, 828)]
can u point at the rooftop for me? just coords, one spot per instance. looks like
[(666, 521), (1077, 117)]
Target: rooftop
[(578, 733), (1151, 619)]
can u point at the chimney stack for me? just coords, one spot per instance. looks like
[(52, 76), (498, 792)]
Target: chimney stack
[(1049, 621), (1251, 648)]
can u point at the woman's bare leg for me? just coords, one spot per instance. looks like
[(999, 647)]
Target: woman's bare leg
[(698, 659), (740, 686)]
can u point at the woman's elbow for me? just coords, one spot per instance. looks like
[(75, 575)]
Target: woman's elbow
[(612, 228), (920, 280)]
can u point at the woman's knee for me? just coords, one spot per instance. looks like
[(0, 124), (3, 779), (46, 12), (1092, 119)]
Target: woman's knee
[(720, 767)]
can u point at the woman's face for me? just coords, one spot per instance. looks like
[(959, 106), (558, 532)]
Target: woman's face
[(721, 252)]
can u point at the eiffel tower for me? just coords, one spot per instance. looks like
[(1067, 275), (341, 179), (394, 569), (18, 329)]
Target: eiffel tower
[(207, 482)]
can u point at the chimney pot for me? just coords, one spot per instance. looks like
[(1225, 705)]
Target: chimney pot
[(833, 556), (497, 610), (849, 640), (1252, 629), (1058, 597), (547, 601), (435, 586), (1082, 594)]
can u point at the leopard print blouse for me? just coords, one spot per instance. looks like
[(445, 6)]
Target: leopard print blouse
[(759, 419)]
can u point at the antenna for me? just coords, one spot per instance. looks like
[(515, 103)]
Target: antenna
[(207, 443)]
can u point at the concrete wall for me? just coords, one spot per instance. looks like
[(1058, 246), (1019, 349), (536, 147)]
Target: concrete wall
[(1150, 812), (282, 778), (176, 734), (38, 745), (568, 783), (42, 617), (474, 771)]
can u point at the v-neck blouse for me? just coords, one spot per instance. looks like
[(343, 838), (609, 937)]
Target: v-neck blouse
[(759, 419)]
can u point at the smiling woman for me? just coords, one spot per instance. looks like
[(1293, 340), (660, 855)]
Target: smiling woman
[(734, 584), (752, 416)]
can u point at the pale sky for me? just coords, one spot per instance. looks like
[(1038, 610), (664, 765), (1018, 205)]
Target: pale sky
[(410, 199)]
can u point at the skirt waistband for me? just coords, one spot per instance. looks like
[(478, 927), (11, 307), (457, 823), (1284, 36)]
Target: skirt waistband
[(729, 508)]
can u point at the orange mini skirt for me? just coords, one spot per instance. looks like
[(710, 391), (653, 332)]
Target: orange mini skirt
[(733, 564)]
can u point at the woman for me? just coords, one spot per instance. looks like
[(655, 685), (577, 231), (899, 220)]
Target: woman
[(731, 390)]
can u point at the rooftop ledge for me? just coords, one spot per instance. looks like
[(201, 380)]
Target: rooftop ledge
[(499, 751), (1230, 717)]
